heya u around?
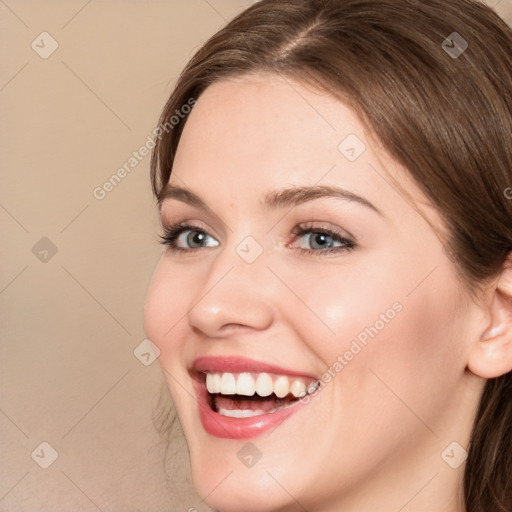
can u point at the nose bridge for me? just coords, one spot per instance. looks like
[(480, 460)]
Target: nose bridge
[(234, 290)]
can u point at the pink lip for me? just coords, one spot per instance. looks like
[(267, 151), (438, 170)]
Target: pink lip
[(238, 428)]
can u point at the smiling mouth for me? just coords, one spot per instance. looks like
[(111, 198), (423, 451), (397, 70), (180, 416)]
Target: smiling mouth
[(241, 398), (248, 394)]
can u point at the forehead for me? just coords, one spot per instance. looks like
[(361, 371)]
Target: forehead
[(261, 132), (268, 115), (269, 128)]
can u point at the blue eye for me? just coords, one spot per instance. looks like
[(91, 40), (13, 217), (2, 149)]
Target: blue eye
[(321, 241), (192, 236)]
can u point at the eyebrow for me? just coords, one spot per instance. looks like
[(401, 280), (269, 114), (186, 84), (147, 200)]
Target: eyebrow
[(277, 199)]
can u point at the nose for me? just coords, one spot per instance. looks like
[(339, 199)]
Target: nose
[(234, 296)]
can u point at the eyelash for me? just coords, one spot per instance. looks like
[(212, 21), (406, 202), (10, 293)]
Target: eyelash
[(172, 232)]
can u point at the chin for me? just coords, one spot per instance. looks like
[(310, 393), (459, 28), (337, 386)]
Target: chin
[(240, 490)]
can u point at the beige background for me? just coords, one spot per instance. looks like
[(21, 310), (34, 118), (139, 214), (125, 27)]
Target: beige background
[(70, 323)]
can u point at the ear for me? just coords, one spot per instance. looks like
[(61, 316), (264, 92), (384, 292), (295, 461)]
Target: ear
[(491, 355)]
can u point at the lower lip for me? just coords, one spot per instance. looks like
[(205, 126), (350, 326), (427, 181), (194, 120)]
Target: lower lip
[(239, 428)]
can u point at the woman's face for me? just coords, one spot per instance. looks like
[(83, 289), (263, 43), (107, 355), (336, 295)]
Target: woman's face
[(304, 263)]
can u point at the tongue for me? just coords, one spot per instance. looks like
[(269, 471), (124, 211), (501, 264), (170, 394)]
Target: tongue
[(256, 403)]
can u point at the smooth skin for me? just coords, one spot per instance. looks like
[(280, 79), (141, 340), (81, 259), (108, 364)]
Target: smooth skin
[(372, 439)]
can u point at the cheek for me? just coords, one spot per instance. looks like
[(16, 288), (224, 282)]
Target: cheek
[(338, 305), (404, 363), (167, 301), (375, 334)]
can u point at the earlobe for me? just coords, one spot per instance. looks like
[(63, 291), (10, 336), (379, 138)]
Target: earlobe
[(491, 355)]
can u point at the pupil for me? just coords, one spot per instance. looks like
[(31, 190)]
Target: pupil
[(321, 239), (197, 238)]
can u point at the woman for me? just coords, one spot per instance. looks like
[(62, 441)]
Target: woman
[(333, 305)]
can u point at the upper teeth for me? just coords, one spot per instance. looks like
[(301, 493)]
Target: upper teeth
[(264, 385)]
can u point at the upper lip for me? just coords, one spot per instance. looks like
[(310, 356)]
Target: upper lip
[(237, 364)]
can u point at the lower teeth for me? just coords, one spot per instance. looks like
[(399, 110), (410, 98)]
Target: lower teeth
[(240, 413), (248, 413)]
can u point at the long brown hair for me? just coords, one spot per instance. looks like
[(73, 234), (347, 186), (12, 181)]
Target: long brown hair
[(441, 109)]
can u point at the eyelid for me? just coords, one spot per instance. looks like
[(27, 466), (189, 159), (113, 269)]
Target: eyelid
[(319, 226), (170, 215), (187, 223)]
